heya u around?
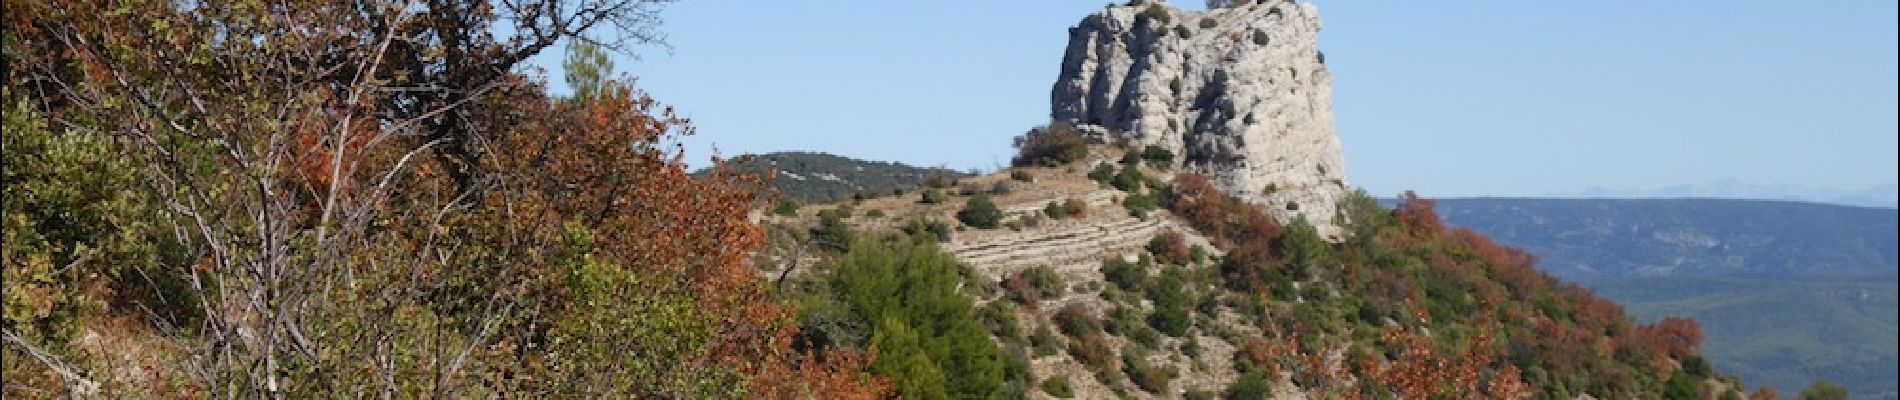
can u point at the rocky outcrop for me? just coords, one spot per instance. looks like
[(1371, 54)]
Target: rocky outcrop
[(1240, 93)]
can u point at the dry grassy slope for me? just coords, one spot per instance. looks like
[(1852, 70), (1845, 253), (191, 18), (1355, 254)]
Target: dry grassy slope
[(1075, 248)]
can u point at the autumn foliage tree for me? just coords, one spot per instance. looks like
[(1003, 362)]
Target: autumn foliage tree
[(1676, 336), (367, 198)]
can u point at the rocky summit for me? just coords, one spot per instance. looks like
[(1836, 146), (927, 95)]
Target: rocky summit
[(1241, 92)]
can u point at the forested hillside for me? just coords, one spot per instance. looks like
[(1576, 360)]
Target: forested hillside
[(808, 177), (1788, 292)]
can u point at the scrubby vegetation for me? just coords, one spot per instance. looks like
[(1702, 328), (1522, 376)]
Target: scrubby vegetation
[(1055, 144), (980, 213), (302, 199), (1497, 323), (1157, 156), (1058, 387), (933, 196), (191, 211)]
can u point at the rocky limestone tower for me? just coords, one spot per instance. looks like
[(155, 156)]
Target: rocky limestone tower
[(1241, 93)]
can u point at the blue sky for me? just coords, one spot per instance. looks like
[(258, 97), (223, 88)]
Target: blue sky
[(1448, 98)]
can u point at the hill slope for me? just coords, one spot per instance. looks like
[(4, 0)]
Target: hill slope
[(1779, 331), (1164, 287), (1787, 291)]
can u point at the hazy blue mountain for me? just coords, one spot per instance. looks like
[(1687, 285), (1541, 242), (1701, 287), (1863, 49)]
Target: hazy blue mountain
[(1585, 239), (1886, 195), (1786, 291)]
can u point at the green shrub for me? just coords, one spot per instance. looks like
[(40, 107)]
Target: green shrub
[(1208, 23), (929, 228), (1155, 12), (1142, 335), (1058, 387), (933, 196), (1044, 342), (1102, 173), (1183, 32), (980, 213), (1696, 366), (832, 234), (1055, 144), (788, 207), (1157, 155), (1139, 204), (1172, 304), (1149, 377), (1823, 389), (931, 340), (1055, 211), (874, 213), (1000, 318), (1123, 320), (1191, 347), (1260, 38), (841, 211), (1129, 179), (1076, 321), (1681, 386), (1045, 280), (1123, 274), (1251, 385), (1209, 304)]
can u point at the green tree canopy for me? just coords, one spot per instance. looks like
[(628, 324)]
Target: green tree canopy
[(927, 336)]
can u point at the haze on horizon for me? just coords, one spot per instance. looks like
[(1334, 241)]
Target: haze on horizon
[(1628, 99)]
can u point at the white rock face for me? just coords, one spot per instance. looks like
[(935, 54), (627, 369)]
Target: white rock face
[(1244, 97)]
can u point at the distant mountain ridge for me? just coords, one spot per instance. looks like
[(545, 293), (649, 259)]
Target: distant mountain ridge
[(1886, 195), (1584, 239), (821, 177)]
